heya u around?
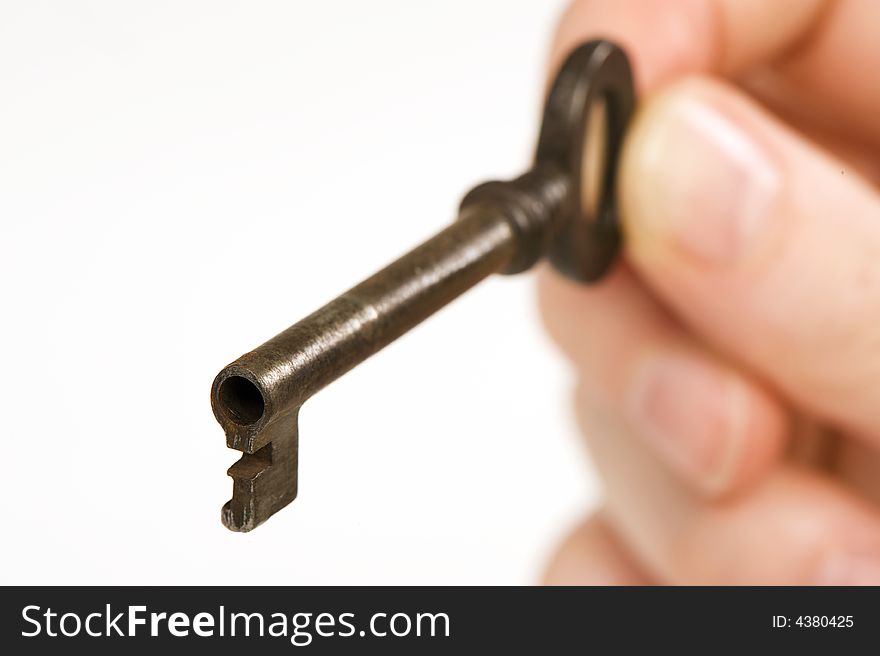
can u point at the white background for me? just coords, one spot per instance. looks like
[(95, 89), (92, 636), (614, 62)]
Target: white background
[(181, 180)]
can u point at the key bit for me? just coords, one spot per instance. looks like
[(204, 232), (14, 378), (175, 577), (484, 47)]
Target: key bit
[(502, 227)]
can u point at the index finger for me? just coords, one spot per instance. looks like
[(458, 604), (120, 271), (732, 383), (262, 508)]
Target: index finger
[(666, 40), (811, 54)]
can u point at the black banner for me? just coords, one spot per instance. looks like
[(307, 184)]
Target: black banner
[(434, 620)]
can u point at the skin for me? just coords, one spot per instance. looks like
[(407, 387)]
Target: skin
[(729, 368)]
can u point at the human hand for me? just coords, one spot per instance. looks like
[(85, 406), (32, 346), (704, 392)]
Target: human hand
[(729, 369)]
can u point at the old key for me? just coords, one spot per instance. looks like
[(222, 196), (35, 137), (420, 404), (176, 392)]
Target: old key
[(563, 208)]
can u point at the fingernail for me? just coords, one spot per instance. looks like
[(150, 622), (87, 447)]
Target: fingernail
[(850, 569), (691, 416), (704, 183)]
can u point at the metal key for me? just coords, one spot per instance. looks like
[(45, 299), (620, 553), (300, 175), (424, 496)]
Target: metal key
[(563, 208)]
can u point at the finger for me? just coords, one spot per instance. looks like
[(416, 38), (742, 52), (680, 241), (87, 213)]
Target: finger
[(666, 40), (592, 555), (712, 425), (826, 76), (794, 527), (859, 465), (816, 49), (762, 243), (818, 124)]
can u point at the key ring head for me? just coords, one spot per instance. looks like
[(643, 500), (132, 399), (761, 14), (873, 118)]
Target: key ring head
[(592, 97)]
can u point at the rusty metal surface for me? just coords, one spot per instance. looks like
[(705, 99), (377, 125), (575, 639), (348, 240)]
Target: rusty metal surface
[(502, 227)]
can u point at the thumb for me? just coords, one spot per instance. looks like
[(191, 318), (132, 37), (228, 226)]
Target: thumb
[(763, 244)]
